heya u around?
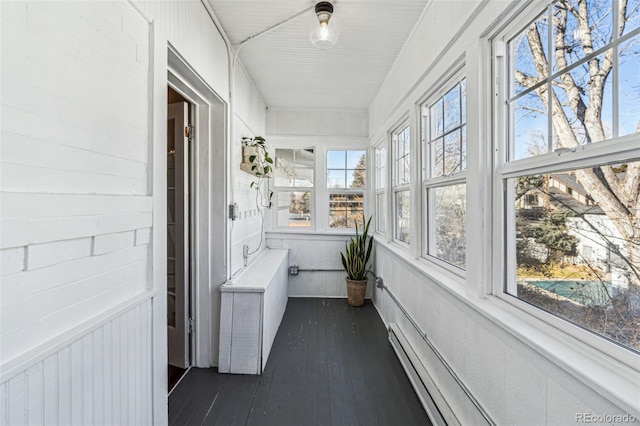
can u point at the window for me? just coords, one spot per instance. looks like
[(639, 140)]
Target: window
[(444, 134), (346, 184), (381, 183), (293, 180), (571, 206), (401, 179)]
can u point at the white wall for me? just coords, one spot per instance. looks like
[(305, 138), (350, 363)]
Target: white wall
[(519, 369), (318, 257), (83, 97), (248, 121), (317, 123), (76, 212), (320, 247)]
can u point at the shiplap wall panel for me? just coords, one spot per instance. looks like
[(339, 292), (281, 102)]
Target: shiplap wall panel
[(508, 386), (75, 214), (35, 395), (189, 28), (82, 382), (305, 122), (63, 399), (4, 403), (74, 165), (17, 401), (249, 120)]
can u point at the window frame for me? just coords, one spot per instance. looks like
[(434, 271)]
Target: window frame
[(282, 189), (614, 150), (428, 183), (330, 191), (397, 188), (381, 175)]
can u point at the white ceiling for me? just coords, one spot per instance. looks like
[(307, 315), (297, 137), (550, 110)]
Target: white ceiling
[(290, 73)]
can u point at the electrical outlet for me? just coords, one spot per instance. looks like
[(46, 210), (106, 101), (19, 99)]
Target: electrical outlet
[(233, 211)]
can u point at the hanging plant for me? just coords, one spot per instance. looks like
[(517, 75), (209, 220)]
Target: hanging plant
[(256, 160), (261, 162)]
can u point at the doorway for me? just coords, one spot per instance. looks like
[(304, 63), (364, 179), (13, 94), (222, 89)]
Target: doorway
[(207, 215), (179, 236)]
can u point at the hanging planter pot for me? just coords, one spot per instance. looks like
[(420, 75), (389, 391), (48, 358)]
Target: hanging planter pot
[(247, 153)]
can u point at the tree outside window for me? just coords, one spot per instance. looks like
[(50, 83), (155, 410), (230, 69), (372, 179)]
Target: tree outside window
[(444, 132), (401, 179), (346, 183), (575, 234)]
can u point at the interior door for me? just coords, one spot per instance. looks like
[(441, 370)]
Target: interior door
[(178, 271)]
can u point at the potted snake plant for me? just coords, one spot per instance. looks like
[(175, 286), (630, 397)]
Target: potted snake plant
[(355, 261)]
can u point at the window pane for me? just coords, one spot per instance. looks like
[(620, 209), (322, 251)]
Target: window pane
[(452, 154), (437, 157), (304, 168), (464, 148), (405, 142), (358, 178), (582, 102), (577, 250), (352, 170), (284, 167), (403, 211), (381, 167), (463, 89), (381, 211), (632, 15), (345, 210), (356, 159), (402, 155), (583, 129), (530, 127), (437, 120), (337, 179), (572, 41), (452, 109), (294, 209), (447, 210), (445, 153), (629, 89), (403, 166), (336, 160), (525, 66), (294, 167)]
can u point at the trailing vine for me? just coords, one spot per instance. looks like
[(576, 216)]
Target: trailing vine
[(261, 167)]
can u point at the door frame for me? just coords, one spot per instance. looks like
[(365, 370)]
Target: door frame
[(209, 181)]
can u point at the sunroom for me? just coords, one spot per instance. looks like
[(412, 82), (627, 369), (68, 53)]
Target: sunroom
[(179, 179)]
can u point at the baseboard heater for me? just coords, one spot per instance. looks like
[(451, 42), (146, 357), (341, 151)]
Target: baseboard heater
[(439, 413)]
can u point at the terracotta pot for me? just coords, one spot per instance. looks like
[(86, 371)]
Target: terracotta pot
[(356, 291)]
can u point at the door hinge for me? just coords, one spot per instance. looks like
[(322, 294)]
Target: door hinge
[(188, 132), (190, 326)]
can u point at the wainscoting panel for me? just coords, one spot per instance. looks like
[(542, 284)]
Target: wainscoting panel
[(101, 378)]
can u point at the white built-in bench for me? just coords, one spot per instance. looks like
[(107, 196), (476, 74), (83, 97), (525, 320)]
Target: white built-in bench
[(253, 305)]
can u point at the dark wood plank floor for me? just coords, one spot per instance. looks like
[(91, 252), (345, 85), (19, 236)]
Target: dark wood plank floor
[(331, 364)]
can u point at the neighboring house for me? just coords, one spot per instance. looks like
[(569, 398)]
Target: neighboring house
[(600, 244)]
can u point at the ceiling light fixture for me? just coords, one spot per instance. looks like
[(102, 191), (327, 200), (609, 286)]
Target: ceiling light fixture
[(326, 34)]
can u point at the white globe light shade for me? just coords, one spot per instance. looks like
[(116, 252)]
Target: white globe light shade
[(324, 36)]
